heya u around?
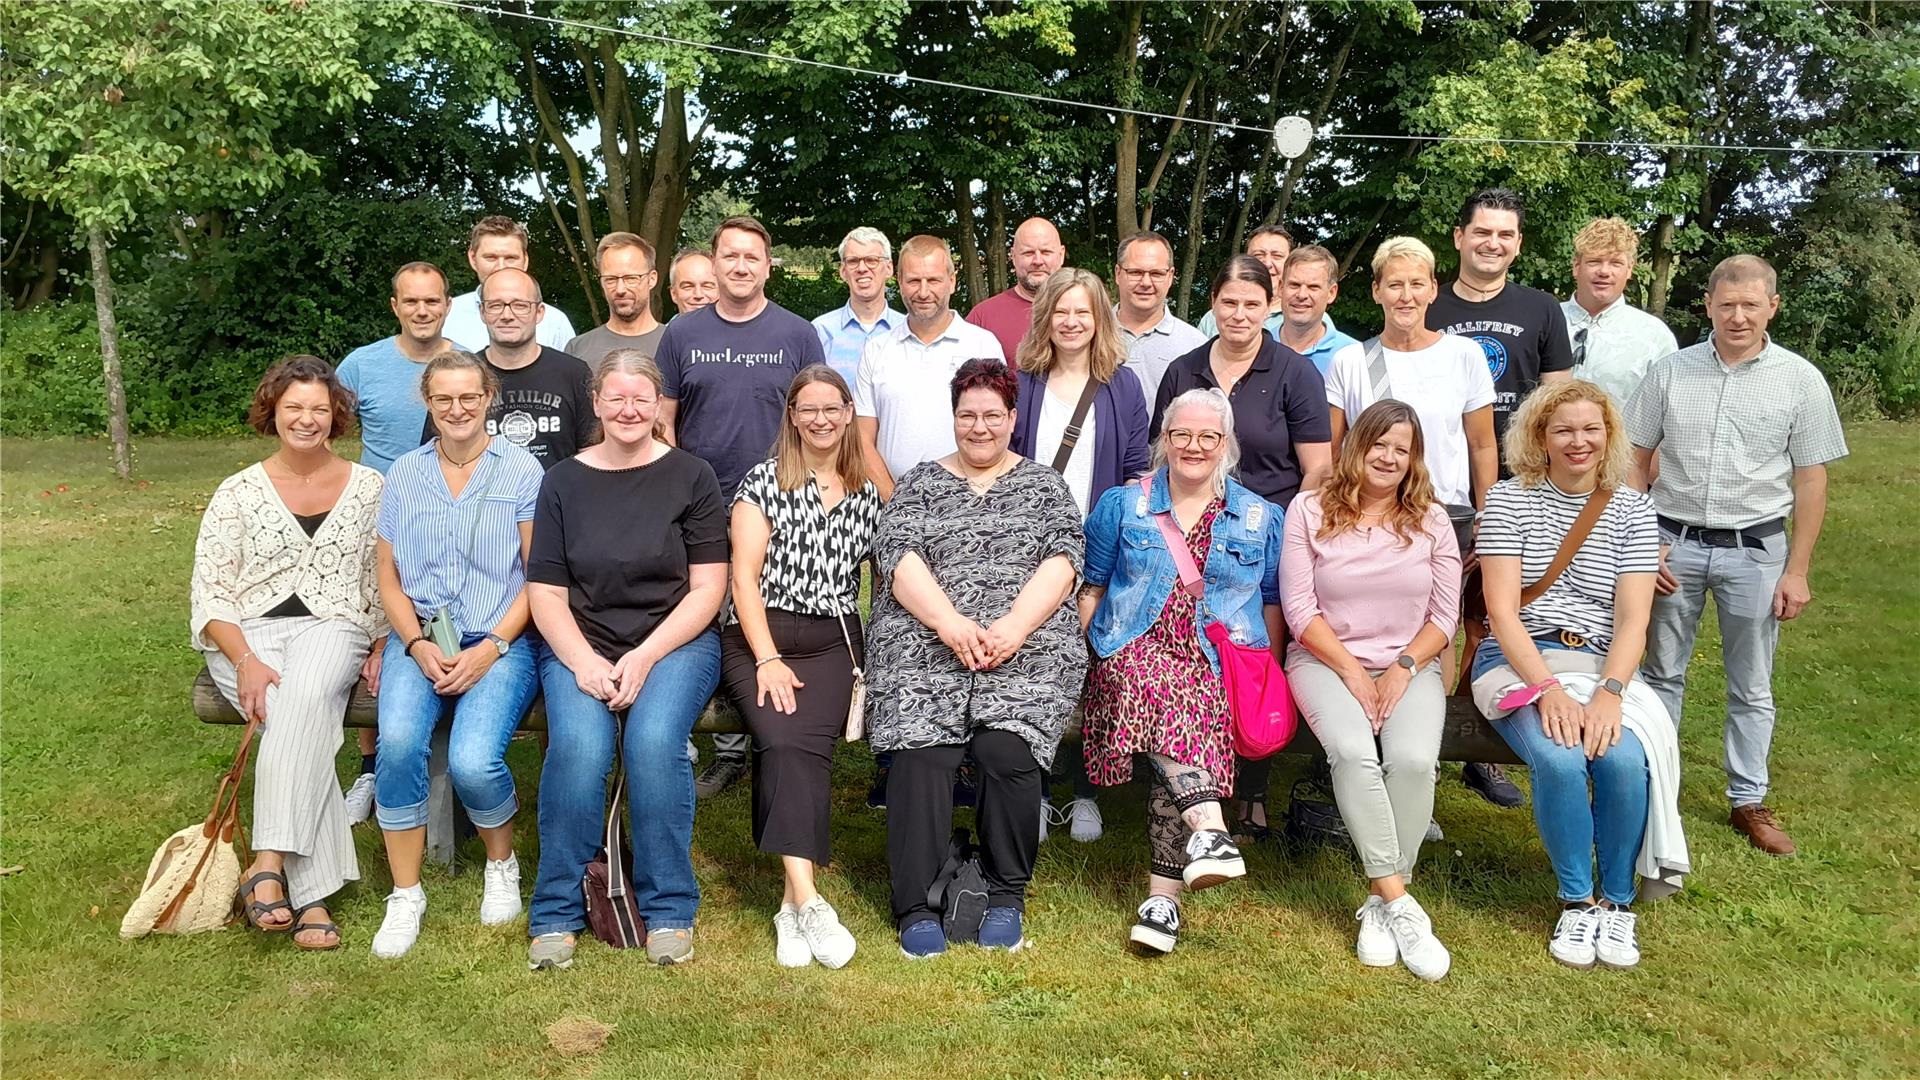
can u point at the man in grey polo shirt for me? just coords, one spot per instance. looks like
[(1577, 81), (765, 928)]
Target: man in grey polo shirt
[(1155, 337), (1744, 430)]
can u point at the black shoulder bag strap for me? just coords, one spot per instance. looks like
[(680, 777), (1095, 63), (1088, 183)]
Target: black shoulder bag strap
[(1070, 437)]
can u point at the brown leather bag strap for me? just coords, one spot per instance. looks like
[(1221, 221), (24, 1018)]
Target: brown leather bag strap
[(222, 821), (1071, 436), (1569, 545)]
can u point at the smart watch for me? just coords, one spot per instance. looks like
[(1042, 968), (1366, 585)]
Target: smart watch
[(1614, 687), (1406, 661)]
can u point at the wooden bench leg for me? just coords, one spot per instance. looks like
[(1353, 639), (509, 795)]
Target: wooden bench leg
[(442, 807)]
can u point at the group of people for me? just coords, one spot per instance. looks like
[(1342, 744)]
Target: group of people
[(1071, 502)]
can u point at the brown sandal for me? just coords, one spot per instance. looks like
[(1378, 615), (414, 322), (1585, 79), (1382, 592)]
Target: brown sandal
[(299, 927), (255, 909)]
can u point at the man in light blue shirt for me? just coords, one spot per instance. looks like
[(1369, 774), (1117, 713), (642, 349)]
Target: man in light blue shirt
[(1309, 282), (866, 262), (385, 376), (1614, 343)]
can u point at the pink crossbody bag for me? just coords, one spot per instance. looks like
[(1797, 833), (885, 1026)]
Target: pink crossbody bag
[(1258, 697)]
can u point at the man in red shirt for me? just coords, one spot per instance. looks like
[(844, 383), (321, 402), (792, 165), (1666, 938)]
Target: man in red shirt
[(1037, 252)]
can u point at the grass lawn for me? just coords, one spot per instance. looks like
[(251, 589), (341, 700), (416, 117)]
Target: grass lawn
[(1808, 966)]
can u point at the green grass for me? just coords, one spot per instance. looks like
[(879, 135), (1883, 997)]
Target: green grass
[(1808, 966)]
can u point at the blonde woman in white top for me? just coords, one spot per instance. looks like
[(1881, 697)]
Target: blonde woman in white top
[(286, 608)]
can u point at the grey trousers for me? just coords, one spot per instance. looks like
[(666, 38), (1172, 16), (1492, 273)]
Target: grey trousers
[(1741, 581), (298, 809), (1384, 786)]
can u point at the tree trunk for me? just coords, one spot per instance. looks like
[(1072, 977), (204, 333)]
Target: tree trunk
[(666, 199), (997, 246), (1699, 29), (1196, 218), (968, 242), (1126, 139), (1264, 169), (110, 352), (1299, 165)]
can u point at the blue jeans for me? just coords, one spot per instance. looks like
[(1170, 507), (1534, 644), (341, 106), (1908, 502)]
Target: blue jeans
[(1573, 825), (573, 789), (484, 719)]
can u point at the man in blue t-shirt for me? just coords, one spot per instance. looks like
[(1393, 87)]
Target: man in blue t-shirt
[(385, 376), (726, 368)]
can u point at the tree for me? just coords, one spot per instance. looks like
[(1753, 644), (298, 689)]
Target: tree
[(120, 111)]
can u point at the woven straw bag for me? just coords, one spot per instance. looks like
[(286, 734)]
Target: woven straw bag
[(193, 882)]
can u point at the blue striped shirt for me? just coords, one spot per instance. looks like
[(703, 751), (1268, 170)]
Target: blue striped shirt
[(462, 554), (844, 339)]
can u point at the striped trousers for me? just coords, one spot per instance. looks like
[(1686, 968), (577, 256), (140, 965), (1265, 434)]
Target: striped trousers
[(298, 809)]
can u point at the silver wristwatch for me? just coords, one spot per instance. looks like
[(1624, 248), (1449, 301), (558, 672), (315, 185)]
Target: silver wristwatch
[(500, 643)]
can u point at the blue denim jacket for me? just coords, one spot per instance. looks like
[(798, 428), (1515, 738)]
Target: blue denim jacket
[(1127, 555)]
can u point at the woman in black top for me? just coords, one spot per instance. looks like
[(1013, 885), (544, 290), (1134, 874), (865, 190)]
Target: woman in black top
[(803, 523), (628, 571)]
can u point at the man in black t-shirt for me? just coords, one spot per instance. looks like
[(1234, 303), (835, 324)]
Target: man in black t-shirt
[(545, 404), (1523, 331)]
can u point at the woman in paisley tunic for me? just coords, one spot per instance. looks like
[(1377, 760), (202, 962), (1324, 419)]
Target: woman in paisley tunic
[(286, 609), (1156, 689), (974, 649)]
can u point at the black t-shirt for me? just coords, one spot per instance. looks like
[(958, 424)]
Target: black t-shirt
[(1522, 331), (731, 380), (545, 408), (620, 541), (1280, 401)]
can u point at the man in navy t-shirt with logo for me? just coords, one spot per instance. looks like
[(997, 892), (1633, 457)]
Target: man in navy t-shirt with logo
[(1523, 331), (725, 370)]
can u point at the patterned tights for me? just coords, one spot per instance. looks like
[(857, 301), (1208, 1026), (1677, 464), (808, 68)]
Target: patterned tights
[(1177, 797)]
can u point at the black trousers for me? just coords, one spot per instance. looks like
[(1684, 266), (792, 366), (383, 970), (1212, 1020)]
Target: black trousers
[(793, 755), (920, 820)]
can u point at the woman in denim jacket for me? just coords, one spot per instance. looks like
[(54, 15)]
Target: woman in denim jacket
[(1156, 688)]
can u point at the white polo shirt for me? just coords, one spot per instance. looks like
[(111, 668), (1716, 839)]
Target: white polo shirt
[(904, 384)]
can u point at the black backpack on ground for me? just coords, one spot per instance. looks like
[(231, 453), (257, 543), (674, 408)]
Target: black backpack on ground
[(959, 893)]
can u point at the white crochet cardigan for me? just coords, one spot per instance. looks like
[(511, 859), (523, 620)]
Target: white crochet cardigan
[(252, 554)]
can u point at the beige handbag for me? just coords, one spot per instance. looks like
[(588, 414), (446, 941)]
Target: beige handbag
[(857, 701), (193, 883)]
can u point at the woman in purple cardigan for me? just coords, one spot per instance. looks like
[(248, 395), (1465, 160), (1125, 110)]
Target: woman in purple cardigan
[(1073, 348)]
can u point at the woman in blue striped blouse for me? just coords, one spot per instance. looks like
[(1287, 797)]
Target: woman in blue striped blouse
[(455, 526)]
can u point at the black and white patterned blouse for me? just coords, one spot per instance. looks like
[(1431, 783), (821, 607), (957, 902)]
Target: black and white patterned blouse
[(813, 557)]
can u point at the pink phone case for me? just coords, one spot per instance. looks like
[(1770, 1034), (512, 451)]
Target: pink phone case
[(1520, 697)]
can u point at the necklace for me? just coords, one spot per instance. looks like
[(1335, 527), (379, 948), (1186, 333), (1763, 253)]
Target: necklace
[(305, 477), (441, 449), (1465, 284), (981, 483)]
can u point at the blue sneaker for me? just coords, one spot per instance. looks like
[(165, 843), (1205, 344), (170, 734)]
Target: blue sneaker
[(1001, 929), (923, 939)]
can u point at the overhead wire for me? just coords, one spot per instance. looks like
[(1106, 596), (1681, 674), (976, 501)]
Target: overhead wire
[(1044, 99)]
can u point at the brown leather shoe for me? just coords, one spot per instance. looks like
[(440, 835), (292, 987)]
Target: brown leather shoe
[(1758, 824)]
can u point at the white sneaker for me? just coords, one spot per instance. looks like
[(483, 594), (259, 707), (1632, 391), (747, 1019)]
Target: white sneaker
[(789, 948), (1375, 946), (826, 938), (401, 928), (360, 799), (693, 753), (1575, 938), (1084, 816), (500, 891), (1049, 815), (1616, 947), (1420, 951)]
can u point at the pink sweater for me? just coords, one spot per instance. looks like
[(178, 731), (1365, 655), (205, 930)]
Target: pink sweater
[(1374, 592)]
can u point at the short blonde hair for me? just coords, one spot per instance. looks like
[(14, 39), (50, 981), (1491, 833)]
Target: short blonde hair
[(1526, 441), (1401, 247), (1606, 236)]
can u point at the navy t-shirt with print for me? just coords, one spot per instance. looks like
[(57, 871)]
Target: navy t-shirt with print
[(731, 379), (1523, 331)]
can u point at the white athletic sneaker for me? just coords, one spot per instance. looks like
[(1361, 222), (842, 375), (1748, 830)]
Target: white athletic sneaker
[(789, 948), (1616, 947), (1375, 946), (401, 928), (693, 752), (360, 799), (500, 891), (1049, 815), (1084, 816), (828, 941), (1413, 935), (1576, 937)]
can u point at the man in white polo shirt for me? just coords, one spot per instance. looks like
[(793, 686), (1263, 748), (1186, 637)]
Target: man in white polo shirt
[(495, 243), (1155, 337), (1614, 343), (902, 395)]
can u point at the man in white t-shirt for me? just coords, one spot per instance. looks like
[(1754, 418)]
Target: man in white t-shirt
[(902, 395), (495, 243)]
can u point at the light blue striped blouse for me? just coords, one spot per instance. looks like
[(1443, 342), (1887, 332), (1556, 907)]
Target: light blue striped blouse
[(464, 553)]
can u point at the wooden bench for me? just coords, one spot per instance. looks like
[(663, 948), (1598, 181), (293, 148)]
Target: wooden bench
[(1466, 737)]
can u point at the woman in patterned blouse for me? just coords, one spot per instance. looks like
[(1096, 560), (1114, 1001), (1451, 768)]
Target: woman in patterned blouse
[(286, 609), (975, 649), (803, 522)]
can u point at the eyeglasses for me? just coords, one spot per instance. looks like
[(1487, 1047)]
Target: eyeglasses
[(807, 414), (864, 262), (1206, 440), (968, 420), (1580, 346), (443, 402), (622, 404), (630, 281), (518, 307), (1155, 276)]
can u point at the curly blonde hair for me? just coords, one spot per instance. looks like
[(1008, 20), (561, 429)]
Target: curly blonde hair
[(1526, 442), (1340, 495)]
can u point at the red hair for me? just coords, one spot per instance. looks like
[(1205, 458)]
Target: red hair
[(983, 374)]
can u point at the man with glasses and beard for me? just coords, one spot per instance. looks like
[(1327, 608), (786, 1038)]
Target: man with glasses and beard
[(627, 277)]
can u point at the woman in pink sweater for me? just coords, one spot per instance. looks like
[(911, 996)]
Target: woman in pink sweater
[(1370, 583)]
